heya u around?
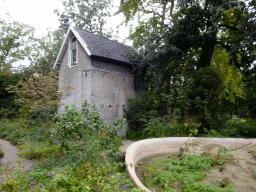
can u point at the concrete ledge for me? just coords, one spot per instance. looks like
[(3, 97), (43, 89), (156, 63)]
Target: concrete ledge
[(168, 145)]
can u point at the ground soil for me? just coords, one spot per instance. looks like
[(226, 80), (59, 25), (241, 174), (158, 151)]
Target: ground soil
[(239, 164)]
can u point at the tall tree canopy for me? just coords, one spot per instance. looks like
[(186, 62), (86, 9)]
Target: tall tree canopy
[(90, 15), (196, 52), (15, 41), (45, 50), (181, 32)]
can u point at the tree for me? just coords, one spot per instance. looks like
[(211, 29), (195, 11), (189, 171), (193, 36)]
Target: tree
[(45, 51), (14, 47), (90, 15), (195, 26), (213, 39), (36, 93), (14, 42)]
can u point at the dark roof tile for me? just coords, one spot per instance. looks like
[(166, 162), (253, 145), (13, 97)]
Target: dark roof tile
[(103, 47)]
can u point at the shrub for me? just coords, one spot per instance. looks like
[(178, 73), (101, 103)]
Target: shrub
[(75, 127), (140, 111), (157, 127), (239, 128), (11, 130), (38, 150), (247, 128), (134, 135)]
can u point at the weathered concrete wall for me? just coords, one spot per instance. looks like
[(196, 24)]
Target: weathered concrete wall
[(73, 77), (111, 86)]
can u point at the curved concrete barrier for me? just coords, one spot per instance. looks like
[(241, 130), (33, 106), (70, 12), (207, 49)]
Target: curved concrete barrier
[(163, 146)]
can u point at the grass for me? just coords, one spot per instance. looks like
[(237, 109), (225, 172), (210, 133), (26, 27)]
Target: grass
[(10, 130), (89, 163), (1, 153)]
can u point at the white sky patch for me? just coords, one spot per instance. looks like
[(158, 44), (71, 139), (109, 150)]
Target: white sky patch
[(40, 15)]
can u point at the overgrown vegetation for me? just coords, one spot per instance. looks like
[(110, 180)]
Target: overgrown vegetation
[(77, 151), (195, 76), (147, 122), (171, 174)]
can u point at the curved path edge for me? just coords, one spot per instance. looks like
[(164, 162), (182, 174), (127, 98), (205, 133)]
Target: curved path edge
[(139, 150), (11, 157)]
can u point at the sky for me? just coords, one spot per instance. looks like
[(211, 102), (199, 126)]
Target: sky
[(40, 14), (36, 13)]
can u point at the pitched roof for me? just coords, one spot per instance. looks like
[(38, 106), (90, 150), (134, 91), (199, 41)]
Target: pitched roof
[(103, 47), (98, 46)]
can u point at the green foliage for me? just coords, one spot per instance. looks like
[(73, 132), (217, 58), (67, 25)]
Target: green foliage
[(211, 133), (37, 93), (157, 127), (231, 79), (1, 153), (81, 127), (197, 66), (45, 51), (14, 43), (37, 150), (11, 130), (141, 110), (84, 165), (14, 46), (242, 128), (86, 14), (163, 173), (134, 135)]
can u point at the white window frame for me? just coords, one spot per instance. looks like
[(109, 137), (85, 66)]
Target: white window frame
[(70, 55)]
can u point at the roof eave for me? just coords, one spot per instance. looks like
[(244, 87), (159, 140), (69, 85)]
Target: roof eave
[(65, 43)]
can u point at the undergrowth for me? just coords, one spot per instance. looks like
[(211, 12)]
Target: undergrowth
[(185, 174), (77, 151)]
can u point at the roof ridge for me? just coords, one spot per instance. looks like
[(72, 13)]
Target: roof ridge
[(102, 36)]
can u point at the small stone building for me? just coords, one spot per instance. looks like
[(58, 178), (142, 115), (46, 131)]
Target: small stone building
[(99, 71)]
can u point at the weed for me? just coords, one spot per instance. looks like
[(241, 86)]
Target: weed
[(85, 164), (187, 172), (1, 153)]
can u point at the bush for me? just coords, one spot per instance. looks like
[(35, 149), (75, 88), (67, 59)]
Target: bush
[(75, 127), (247, 128), (157, 127), (134, 135), (11, 130), (38, 117), (140, 111), (242, 128)]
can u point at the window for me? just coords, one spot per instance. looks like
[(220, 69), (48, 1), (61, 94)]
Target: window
[(73, 57), (72, 51), (73, 39)]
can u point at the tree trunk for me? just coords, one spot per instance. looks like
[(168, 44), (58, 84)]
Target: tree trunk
[(207, 51)]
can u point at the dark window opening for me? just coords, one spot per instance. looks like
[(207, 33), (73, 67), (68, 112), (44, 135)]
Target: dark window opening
[(73, 57), (73, 39)]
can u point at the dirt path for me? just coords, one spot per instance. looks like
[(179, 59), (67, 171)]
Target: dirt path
[(11, 156)]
